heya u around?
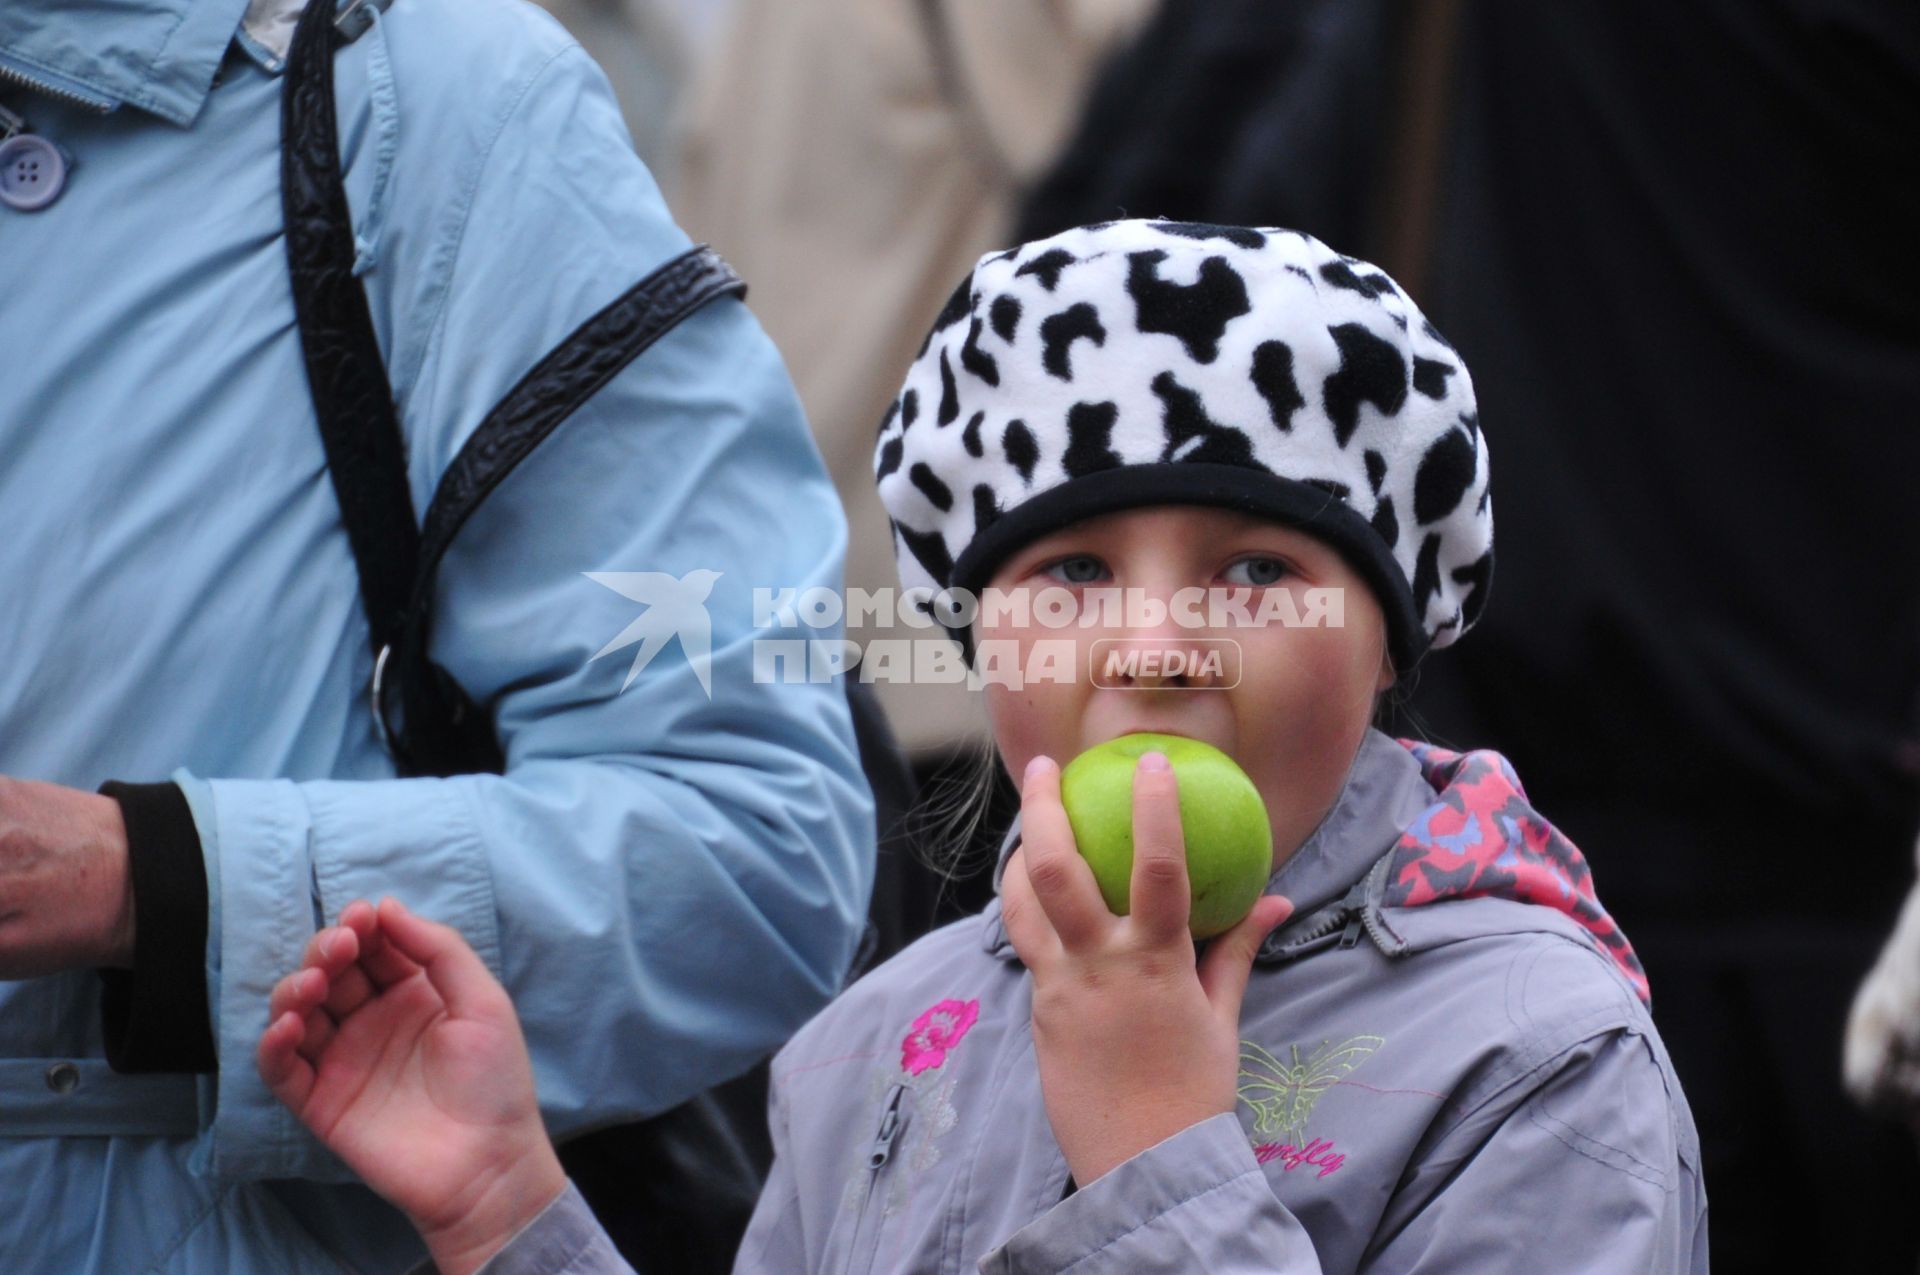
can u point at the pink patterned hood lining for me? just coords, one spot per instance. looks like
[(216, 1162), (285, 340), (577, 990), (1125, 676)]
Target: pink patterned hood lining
[(1481, 838)]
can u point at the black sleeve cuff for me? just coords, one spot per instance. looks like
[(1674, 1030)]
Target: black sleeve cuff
[(155, 1016)]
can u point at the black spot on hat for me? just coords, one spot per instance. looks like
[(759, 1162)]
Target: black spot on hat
[(1426, 573), (1240, 236), (1430, 376), (1472, 421), (1047, 267), (1371, 371), (1385, 524), (1020, 449), (977, 360), (1446, 471), (1089, 439), (1476, 575), (1339, 491), (985, 508), (889, 416), (1376, 470), (889, 457), (949, 396), (1058, 332), (909, 409), (1341, 275), (959, 301), (1197, 312), (1301, 271), (929, 548), (1273, 378), (970, 436), (930, 486), (1004, 314), (1192, 435)]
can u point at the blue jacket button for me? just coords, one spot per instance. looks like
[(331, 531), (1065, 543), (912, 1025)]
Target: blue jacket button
[(63, 1077), (32, 172)]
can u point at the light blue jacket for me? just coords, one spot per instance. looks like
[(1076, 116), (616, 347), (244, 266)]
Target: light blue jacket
[(669, 882)]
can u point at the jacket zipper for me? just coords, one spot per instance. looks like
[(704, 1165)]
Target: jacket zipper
[(86, 101), (1334, 921), (860, 1255)]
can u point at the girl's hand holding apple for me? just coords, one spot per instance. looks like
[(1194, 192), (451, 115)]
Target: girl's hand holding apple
[(1135, 1035)]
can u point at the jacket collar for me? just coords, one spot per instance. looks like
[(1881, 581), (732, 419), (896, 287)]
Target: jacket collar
[(157, 55), (1383, 793)]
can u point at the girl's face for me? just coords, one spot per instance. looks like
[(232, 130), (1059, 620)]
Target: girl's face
[(1289, 698)]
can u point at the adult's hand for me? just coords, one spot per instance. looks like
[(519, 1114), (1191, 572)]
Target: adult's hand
[(66, 899)]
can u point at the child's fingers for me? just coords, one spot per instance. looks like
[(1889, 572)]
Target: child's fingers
[(383, 963), (349, 991), (1026, 921), (335, 951), (1229, 959), (297, 993), (1061, 879), (330, 950), (453, 967), (304, 994), (1158, 888), (353, 987), (317, 1032), (360, 917), (281, 1065)]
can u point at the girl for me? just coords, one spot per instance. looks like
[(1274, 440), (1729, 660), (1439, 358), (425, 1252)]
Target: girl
[(1143, 438)]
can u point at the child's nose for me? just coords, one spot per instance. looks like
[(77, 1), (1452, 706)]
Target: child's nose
[(1168, 646)]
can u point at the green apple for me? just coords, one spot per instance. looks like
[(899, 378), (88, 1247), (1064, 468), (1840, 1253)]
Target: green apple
[(1229, 845)]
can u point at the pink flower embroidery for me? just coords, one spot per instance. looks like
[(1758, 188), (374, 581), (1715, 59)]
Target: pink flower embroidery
[(936, 1032)]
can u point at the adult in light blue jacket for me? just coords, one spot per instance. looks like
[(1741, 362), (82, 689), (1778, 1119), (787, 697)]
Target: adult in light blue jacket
[(670, 877)]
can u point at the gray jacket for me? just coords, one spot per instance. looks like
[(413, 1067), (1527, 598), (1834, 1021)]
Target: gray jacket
[(1447, 1065)]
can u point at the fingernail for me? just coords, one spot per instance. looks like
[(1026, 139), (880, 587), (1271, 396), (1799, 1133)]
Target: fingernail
[(1155, 761), (1035, 765), (326, 948)]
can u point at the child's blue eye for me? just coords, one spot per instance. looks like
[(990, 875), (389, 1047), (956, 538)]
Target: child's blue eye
[(1258, 572), (1082, 568)]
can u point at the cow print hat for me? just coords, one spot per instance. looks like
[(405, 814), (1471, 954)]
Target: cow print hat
[(1148, 363)]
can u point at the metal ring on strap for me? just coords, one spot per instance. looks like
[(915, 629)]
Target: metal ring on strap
[(376, 693)]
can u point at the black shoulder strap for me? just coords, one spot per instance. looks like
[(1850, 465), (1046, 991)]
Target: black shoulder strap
[(440, 731), (345, 371), (560, 383)]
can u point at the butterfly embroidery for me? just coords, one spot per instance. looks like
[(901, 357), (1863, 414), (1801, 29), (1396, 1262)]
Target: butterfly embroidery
[(1282, 1095)]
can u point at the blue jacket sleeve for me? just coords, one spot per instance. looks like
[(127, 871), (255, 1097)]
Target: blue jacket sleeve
[(671, 874)]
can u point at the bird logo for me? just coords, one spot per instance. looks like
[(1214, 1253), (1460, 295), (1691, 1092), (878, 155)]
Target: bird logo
[(676, 607)]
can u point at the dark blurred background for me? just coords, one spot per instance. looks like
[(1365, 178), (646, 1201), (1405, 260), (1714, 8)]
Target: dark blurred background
[(1675, 241)]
